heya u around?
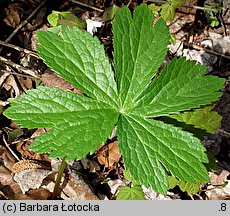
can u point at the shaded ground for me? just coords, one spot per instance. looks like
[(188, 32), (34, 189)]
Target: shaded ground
[(103, 171)]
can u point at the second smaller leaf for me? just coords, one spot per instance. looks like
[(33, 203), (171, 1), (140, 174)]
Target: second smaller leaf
[(167, 11), (190, 188), (55, 16), (203, 118), (131, 193)]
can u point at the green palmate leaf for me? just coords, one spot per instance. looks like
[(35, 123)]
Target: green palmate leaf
[(190, 188), (203, 118), (72, 20), (181, 86), (65, 18), (56, 30), (154, 8), (167, 11), (137, 51), (172, 182), (128, 176), (151, 149), (131, 193), (55, 16), (159, 147), (79, 59), (177, 3), (77, 121)]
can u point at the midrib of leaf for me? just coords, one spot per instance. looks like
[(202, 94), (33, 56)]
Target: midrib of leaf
[(68, 112), (169, 85), (93, 81), (196, 152), (123, 65), (65, 108), (90, 79), (137, 55), (75, 63), (134, 73), (143, 141), (180, 86), (130, 153), (160, 140)]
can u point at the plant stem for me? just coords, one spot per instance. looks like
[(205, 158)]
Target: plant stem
[(58, 179)]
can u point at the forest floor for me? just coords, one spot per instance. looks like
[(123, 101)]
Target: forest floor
[(27, 175)]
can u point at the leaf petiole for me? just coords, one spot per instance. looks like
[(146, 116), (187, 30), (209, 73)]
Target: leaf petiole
[(58, 179)]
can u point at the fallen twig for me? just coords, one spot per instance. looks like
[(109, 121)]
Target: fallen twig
[(184, 5), (10, 150), (204, 49), (224, 132), (19, 67), (222, 24), (25, 21), (129, 3), (89, 6), (29, 52), (15, 73)]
